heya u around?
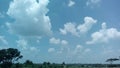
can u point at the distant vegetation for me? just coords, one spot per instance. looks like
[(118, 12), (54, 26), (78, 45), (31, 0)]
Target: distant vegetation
[(9, 59)]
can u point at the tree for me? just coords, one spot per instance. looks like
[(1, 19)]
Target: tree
[(111, 60), (28, 62), (9, 56), (63, 63)]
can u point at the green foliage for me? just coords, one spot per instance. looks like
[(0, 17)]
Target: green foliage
[(8, 56), (28, 62), (111, 60)]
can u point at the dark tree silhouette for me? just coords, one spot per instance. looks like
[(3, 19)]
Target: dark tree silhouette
[(28, 62), (111, 60), (63, 63), (9, 56)]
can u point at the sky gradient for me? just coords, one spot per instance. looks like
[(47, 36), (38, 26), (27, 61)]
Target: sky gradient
[(71, 31)]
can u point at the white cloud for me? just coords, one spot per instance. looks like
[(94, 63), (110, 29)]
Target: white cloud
[(81, 28), (104, 35), (51, 50), (58, 41), (54, 41), (88, 23), (30, 17), (64, 42), (22, 43), (3, 40), (71, 3), (63, 31), (69, 28), (93, 3)]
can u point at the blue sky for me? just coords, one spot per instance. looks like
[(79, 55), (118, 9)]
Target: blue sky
[(73, 31)]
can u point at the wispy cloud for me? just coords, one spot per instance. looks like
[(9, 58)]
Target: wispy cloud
[(3, 40), (93, 3)]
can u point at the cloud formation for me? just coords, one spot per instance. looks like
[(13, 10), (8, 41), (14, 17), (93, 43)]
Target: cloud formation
[(69, 28), (54, 41), (104, 35), (93, 3), (64, 42), (30, 17), (22, 43), (58, 41), (71, 3), (81, 28), (88, 23)]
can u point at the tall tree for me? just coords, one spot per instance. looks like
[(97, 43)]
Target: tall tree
[(9, 56), (111, 60)]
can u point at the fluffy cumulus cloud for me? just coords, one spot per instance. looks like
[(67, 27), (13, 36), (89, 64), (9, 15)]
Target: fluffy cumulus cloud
[(81, 28), (58, 41), (63, 45), (54, 41), (93, 3), (71, 3), (88, 23), (30, 17), (69, 28), (104, 35)]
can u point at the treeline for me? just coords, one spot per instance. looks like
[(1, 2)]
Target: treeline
[(30, 64), (9, 59), (53, 65)]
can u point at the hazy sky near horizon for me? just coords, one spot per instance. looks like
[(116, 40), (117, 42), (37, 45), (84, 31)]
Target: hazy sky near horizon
[(73, 31)]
